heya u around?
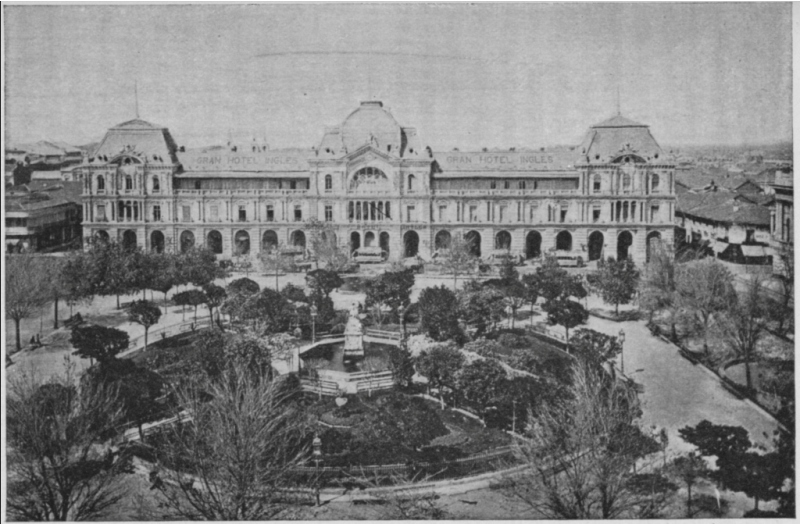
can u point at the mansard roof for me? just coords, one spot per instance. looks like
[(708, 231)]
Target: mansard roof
[(150, 142), (224, 162), (618, 136)]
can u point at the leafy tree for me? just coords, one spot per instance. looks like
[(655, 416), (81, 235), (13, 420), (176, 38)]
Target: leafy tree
[(690, 468), (249, 352), (56, 468), (508, 270), (617, 281), (401, 364), (144, 313), (594, 346), (566, 313), (440, 365), (165, 275), (98, 342), (481, 306), (294, 293), (705, 287), (214, 297), (199, 266), (243, 286), (438, 311), (191, 297), (73, 282), (323, 281), (759, 475), (555, 282), (391, 289), (140, 270), (532, 289), (241, 443), (744, 322), (581, 453), (459, 258), (785, 310), (26, 289), (105, 268), (269, 312), (481, 381), (516, 294)]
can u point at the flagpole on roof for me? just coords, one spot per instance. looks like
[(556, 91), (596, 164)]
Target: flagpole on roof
[(136, 96)]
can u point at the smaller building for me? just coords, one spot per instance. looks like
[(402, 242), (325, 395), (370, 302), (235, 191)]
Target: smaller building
[(733, 227), (42, 216), (781, 226)]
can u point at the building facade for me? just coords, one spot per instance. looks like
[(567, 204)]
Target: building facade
[(40, 220), (375, 183)]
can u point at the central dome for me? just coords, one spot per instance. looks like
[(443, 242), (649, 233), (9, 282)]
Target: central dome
[(372, 124)]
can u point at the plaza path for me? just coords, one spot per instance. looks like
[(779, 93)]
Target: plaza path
[(676, 392)]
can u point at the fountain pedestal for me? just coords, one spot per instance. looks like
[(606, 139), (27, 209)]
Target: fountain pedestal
[(354, 335)]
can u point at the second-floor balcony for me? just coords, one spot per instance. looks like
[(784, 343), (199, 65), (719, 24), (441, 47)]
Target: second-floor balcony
[(504, 192), (240, 192)]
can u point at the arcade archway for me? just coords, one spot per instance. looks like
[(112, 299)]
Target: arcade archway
[(473, 238), (242, 243), (624, 242), (653, 243), (384, 242), (369, 239), (596, 241), (129, 239), (564, 241), (442, 240), (298, 239), (502, 240), (533, 244), (355, 241), (157, 242), (187, 241), (411, 243), (214, 242)]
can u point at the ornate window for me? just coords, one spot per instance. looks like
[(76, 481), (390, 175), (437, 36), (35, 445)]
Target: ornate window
[(128, 182), (328, 183), (656, 181), (101, 183), (626, 182), (411, 180), (596, 183), (156, 185)]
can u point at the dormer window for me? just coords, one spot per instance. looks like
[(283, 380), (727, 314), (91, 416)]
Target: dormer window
[(626, 182), (128, 181)]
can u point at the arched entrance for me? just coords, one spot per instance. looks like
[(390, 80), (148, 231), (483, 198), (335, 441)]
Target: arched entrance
[(564, 241), (187, 241), (596, 241), (442, 240), (241, 242), (624, 241), (473, 238), (298, 239), (502, 240), (269, 240), (129, 239), (533, 244), (355, 241), (653, 242), (384, 242), (214, 242), (157, 242), (102, 236), (369, 239), (411, 243)]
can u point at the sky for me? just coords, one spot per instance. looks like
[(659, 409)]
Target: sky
[(467, 76)]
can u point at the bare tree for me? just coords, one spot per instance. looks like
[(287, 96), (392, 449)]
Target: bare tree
[(582, 454), (273, 260), (57, 467), (745, 321), (459, 258), (27, 289), (706, 288), (232, 460)]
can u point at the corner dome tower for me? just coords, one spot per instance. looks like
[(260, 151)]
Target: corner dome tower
[(372, 124)]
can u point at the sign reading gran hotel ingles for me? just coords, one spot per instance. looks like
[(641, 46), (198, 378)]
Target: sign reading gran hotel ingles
[(226, 160), (506, 160)]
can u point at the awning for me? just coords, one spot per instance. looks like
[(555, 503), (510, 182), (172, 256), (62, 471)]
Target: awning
[(720, 246), (753, 251)]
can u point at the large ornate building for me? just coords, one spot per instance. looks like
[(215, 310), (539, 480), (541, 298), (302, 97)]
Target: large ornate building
[(378, 185)]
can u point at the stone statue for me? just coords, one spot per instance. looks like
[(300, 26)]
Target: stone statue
[(354, 333)]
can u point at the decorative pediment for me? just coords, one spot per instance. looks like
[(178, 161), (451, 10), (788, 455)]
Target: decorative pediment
[(367, 153)]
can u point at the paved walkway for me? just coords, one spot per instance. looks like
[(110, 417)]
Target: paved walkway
[(676, 392)]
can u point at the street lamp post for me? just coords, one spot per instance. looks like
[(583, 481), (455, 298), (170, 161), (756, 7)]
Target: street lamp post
[(313, 323), (317, 445), (621, 338)]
